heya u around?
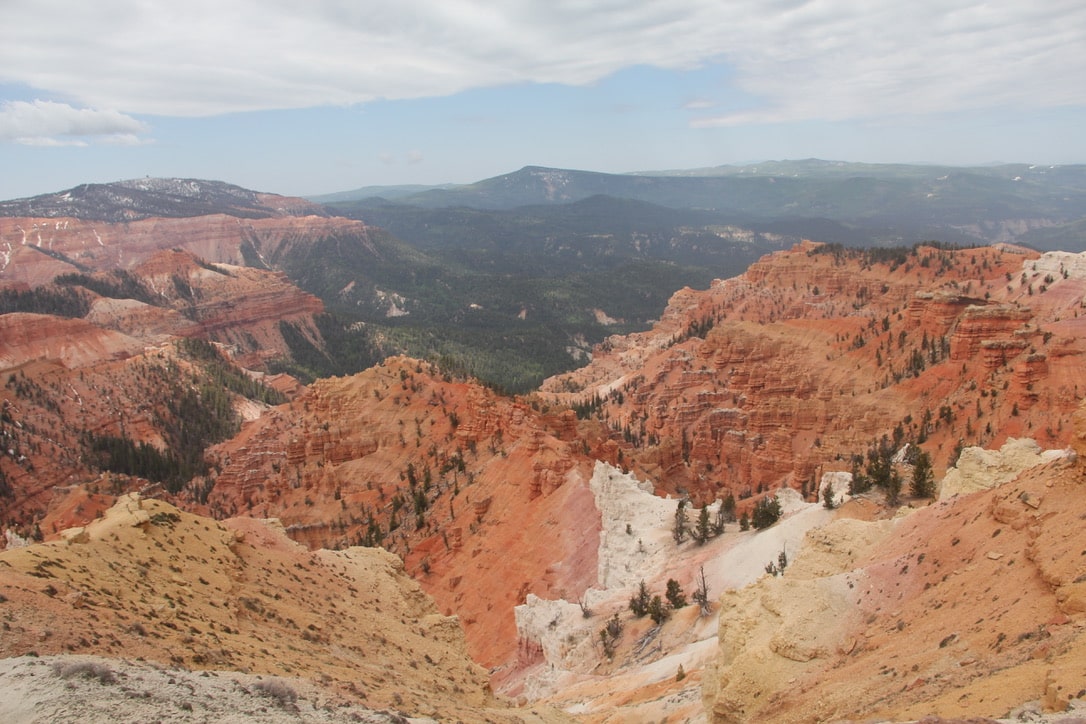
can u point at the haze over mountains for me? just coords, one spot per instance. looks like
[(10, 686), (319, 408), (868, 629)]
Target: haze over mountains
[(215, 400), (872, 203)]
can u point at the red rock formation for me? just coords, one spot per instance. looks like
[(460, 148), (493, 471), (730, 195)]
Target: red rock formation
[(71, 342), (238, 306), (36, 250), (815, 353), (486, 498)]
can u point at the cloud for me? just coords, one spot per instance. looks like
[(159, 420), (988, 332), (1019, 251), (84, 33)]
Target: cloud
[(45, 123), (791, 59), (698, 104)]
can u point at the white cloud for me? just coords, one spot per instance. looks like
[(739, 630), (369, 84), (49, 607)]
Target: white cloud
[(794, 59), (45, 123), (698, 104)]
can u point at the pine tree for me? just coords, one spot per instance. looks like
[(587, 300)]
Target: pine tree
[(893, 488), (923, 482), (678, 532), (828, 497), (658, 611), (639, 604), (674, 594), (701, 533), (767, 511)]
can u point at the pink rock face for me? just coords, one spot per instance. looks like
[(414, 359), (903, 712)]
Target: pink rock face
[(785, 372), (69, 244), (483, 496)]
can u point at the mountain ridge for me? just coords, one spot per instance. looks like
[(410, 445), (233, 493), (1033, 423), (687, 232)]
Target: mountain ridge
[(137, 199)]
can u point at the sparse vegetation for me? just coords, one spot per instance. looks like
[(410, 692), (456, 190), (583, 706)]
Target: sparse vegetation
[(767, 511), (701, 593), (675, 597), (610, 634), (923, 479), (279, 690), (98, 671)]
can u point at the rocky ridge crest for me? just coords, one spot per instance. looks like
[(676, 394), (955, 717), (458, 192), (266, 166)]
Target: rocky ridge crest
[(152, 582)]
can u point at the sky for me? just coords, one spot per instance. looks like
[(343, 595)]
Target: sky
[(318, 96)]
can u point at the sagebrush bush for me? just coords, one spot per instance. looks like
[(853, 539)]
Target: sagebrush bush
[(277, 689), (88, 669)]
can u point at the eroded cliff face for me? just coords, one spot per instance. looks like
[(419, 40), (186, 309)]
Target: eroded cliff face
[(486, 498), (814, 354), (34, 250)]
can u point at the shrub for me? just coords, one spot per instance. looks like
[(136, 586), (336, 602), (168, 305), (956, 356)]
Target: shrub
[(767, 511), (86, 669), (277, 689), (674, 594), (609, 635), (658, 610)]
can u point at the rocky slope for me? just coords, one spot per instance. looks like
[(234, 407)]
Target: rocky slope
[(512, 513), (33, 250), (78, 400), (150, 582), (443, 472), (970, 607), (816, 353)]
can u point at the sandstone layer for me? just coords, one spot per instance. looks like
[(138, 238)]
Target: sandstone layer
[(33, 250), (773, 377)]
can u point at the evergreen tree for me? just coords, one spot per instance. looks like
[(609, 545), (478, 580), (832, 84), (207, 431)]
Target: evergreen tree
[(767, 511), (678, 531), (923, 482), (828, 497), (725, 513), (658, 611), (639, 604), (701, 533), (893, 488), (674, 594), (859, 483), (701, 594)]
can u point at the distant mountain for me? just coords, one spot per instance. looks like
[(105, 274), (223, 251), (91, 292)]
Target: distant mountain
[(377, 192), (883, 203), (163, 197)]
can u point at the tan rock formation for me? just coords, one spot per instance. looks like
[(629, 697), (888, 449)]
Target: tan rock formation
[(151, 582), (949, 611)]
